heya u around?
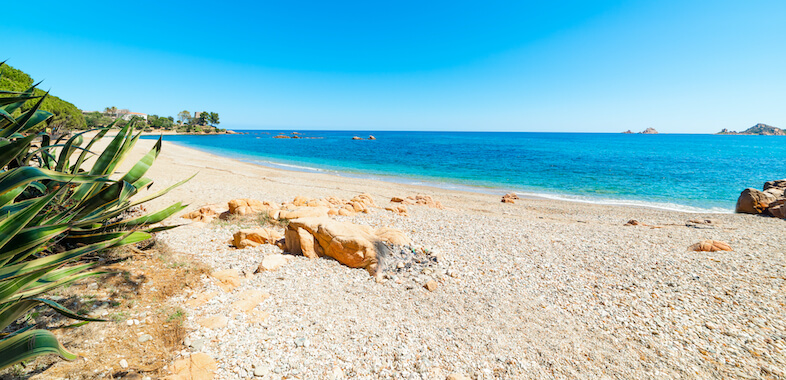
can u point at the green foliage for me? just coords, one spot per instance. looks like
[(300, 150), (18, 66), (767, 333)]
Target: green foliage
[(66, 115), (53, 211), (184, 117), (97, 119)]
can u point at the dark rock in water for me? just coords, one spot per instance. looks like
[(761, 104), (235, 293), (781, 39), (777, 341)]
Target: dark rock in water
[(649, 131), (628, 132)]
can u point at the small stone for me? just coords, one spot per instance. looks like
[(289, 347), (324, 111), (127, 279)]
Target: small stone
[(144, 338), (457, 376), (130, 322), (711, 326), (431, 285), (302, 342), (124, 363), (198, 344)]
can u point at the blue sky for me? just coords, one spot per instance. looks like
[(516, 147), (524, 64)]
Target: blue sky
[(572, 66)]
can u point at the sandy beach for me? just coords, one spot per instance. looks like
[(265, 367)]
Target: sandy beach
[(536, 289)]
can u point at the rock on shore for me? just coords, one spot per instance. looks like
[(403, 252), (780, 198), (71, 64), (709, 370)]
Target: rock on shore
[(771, 201)]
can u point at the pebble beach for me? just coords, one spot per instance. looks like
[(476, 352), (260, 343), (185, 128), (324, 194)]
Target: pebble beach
[(537, 289)]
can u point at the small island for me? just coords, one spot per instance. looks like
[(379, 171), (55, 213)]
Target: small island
[(648, 131), (758, 129)]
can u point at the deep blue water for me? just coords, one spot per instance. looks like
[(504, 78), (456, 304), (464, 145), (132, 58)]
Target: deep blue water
[(673, 171)]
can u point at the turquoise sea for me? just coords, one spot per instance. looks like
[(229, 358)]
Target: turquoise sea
[(671, 171)]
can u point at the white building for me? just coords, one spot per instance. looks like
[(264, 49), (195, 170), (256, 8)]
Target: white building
[(129, 115)]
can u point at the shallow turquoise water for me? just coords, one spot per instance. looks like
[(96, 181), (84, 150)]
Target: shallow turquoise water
[(686, 172)]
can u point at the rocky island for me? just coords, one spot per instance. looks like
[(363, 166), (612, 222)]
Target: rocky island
[(758, 129)]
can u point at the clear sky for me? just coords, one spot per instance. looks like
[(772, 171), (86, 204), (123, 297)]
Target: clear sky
[(675, 65)]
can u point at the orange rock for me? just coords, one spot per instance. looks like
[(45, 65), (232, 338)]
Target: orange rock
[(205, 214), (227, 279), (431, 286), (198, 366), (215, 322), (710, 246), (246, 206), (300, 201), (200, 299), (510, 198), (255, 237), (400, 210), (249, 300), (350, 244)]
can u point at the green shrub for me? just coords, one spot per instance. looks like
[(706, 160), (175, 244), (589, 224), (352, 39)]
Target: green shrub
[(53, 212)]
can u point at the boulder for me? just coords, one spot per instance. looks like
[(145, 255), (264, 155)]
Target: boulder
[(365, 199), (752, 201), (255, 237), (300, 201), (247, 206), (778, 210), (510, 198), (357, 138), (371, 137), (710, 246), (350, 244), (273, 262), (777, 184), (205, 214)]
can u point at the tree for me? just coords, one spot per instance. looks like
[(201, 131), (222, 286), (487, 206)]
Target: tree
[(213, 119), (184, 117), (97, 119), (204, 117), (111, 111)]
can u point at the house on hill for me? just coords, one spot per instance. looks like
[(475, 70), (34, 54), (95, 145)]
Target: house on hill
[(129, 115)]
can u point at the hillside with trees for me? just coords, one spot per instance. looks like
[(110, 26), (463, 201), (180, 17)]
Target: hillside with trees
[(66, 114)]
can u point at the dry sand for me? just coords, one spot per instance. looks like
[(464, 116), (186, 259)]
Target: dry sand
[(536, 289)]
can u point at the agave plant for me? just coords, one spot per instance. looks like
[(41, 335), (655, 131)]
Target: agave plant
[(53, 212)]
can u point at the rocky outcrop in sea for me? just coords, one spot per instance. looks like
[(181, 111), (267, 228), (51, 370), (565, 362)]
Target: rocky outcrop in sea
[(758, 129)]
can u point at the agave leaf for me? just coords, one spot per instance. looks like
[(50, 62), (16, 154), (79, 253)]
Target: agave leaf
[(143, 165), (149, 218), (25, 175), (124, 236), (83, 155), (29, 238), (30, 344), (27, 120), (14, 149), (51, 261), (68, 149), (69, 275), (11, 225), (106, 198)]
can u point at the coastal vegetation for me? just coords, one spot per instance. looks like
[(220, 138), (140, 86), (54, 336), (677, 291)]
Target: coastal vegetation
[(55, 211), (64, 114)]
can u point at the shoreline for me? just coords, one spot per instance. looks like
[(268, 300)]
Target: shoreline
[(537, 289), (453, 186)]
